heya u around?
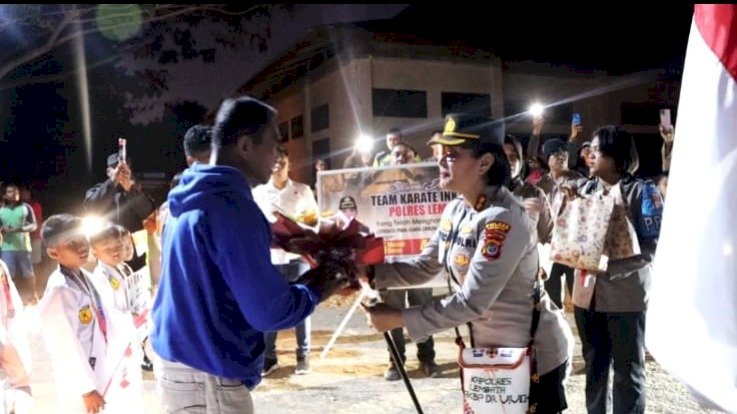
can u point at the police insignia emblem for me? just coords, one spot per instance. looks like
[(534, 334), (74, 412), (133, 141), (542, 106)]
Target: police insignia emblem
[(445, 225), (461, 260), (450, 125), (495, 232)]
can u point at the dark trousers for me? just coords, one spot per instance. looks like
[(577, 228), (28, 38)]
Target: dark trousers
[(554, 284), (613, 339), (549, 394), (302, 331), (415, 297)]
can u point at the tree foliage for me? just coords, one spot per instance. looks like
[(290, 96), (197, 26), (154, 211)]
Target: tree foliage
[(167, 34)]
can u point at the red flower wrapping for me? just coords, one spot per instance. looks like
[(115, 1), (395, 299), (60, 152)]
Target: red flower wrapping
[(336, 238)]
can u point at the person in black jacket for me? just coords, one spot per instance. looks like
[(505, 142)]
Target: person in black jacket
[(120, 200)]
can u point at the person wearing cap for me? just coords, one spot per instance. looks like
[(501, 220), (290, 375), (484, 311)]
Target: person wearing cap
[(120, 200), (487, 243), (347, 205), (285, 195)]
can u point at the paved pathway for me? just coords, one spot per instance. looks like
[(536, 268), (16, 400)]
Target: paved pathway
[(350, 379)]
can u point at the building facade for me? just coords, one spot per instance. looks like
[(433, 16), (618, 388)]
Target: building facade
[(342, 82)]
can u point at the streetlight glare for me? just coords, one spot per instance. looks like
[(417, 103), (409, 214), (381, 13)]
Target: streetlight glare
[(536, 109), (364, 143)]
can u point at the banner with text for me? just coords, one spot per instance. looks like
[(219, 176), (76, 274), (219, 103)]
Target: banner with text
[(401, 203)]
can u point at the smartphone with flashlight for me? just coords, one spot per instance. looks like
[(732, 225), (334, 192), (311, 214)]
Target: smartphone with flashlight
[(122, 150), (576, 120), (665, 120)]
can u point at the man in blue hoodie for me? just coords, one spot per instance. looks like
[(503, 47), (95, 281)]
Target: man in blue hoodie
[(219, 291)]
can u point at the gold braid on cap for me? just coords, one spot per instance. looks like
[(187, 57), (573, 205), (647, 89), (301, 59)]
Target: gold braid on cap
[(449, 130)]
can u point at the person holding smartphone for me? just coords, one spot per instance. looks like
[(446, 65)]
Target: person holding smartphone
[(121, 201)]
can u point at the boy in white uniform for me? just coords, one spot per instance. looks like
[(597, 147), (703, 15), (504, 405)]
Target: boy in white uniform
[(91, 344), (15, 354), (111, 270)]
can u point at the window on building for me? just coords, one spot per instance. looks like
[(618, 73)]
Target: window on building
[(559, 113), (472, 103), (648, 149), (321, 149), (297, 127), (399, 103), (515, 107), (284, 131), (320, 118), (641, 113)]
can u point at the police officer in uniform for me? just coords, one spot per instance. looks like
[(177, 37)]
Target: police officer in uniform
[(487, 244)]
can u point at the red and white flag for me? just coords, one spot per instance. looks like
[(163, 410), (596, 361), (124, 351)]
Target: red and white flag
[(692, 317)]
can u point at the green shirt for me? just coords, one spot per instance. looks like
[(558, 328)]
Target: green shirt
[(16, 217)]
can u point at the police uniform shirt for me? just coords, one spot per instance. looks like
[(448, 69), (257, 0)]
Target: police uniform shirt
[(490, 252)]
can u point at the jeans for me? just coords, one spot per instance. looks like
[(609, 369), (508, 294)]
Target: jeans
[(291, 272), (613, 340), (415, 297), (18, 262), (185, 390)]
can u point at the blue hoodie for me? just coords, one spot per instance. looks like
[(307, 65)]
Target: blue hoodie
[(219, 291)]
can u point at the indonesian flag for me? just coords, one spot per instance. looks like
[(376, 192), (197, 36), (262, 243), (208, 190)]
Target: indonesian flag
[(692, 317)]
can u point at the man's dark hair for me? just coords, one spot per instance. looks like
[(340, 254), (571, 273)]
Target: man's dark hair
[(395, 131), (616, 143), (239, 117), (197, 140), (58, 227), (108, 232)]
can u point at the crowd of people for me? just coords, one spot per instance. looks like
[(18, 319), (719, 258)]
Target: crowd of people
[(221, 297)]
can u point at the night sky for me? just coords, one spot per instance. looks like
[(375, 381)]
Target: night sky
[(617, 38), (42, 129)]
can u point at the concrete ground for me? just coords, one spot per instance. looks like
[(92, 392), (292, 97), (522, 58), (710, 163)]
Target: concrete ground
[(349, 379)]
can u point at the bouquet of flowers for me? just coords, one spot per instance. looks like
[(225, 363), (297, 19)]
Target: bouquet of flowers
[(333, 246)]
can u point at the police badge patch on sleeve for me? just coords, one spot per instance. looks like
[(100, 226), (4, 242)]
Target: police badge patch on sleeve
[(495, 232)]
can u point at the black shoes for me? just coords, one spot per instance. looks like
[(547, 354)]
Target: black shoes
[(270, 365), (430, 369)]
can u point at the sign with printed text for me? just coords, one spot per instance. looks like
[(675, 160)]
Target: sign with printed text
[(139, 290), (495, 380), (400, 203)]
